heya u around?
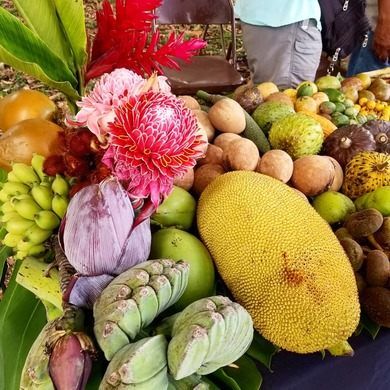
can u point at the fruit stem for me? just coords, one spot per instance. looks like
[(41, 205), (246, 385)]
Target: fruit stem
[(374, 242), (345, 142), (382, 138)]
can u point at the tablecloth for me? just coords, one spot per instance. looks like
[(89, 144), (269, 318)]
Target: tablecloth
[(368, 369)]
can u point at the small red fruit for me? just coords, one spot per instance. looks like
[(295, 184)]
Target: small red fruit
[(54, 165), (76, 166)]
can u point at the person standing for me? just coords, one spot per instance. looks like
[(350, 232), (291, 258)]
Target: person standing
[(374, 53), (282, 39)]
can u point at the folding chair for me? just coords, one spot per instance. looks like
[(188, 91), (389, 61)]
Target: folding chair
[(212, 73)]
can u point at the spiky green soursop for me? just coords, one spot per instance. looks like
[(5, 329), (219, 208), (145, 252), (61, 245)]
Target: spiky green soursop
[(269, 112), (297, 134)]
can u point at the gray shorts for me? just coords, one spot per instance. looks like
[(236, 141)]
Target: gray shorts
[(285, 55)]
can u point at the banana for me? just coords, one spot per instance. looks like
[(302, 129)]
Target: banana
[(110, 337), (7, 216), (187, 351), (25, 206), (35, 373), (36, 235), (4, 196), (12, 177), (37, 164), (13, 188), (46, 219), (24, 246), (126, 314), (174, 276), (36, 250), (7, 207), (18, 224), (128, 365), (163, 289), (59, 204), (133, 278), (20, 255), (11, 240), (60, 186), (43, 195), (147, 303), (201, 305), (158, 381), (184, 269), (25, 173)]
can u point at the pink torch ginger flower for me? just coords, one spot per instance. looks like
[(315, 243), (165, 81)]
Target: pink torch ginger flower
[(97, 109), (153, 139)]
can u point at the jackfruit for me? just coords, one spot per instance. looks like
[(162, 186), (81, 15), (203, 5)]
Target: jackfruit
[(280, 260)]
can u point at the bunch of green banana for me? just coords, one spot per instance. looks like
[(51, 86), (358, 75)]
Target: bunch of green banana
[(141, 365), (35, 374), (133, 300), (208, 334), (32, 207)]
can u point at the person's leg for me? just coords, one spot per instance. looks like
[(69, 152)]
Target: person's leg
[(306, 54), (274, 55)]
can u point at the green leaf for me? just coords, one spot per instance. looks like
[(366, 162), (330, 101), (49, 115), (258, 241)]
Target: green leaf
[(31, 276), (3, 175), (262, 350), (25, 51), (41, 17), (240, 375), (370, 326), (52, 312), (22, 316), (71, 14), (5, 252)]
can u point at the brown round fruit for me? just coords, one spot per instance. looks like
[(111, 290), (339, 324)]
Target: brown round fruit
[(190, 102), (204, 123), (277, 164), (205, 175), (186, 181), (376, 303), (213, 156), (223, 139), (24, 104), (313, 174), (363, 223), (377, 268), (354, 252), (241, 155)]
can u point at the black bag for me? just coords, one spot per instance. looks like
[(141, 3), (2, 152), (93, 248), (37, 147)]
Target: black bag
[(344, 26)]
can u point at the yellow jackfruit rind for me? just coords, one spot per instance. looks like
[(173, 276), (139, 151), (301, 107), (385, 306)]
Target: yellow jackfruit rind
[(280, 260)]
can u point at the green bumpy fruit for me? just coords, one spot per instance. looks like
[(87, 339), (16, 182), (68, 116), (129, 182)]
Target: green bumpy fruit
[(269, 112), (297, 134)]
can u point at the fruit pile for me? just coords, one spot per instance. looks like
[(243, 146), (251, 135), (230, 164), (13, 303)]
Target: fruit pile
[(33, 205), (252, 217), (365, 238)]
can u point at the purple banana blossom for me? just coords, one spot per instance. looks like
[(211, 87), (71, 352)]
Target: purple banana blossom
[(101, 238)]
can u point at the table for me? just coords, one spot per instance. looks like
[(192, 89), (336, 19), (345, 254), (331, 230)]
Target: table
[(368, 369)]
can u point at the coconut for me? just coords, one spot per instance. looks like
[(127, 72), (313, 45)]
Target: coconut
[(241, 155), (205, 124), (205, 175), (277, 164), (313, 174), (186, 181), (223, 140), (214, 155)]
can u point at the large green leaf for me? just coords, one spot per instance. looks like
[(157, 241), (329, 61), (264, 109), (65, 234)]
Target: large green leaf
[(41, 17), (22, 316), (71, 14), (262, 350), (240, 375), (25, 51)]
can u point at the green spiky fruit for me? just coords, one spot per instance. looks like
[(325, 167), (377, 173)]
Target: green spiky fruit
[(297, 134)]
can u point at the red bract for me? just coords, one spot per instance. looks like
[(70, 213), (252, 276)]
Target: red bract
[(125, 40), (54, 165), (153, 139), (76, 166), (80, 142)]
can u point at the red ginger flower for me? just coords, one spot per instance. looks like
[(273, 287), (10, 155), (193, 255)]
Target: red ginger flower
[(153, 139)]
